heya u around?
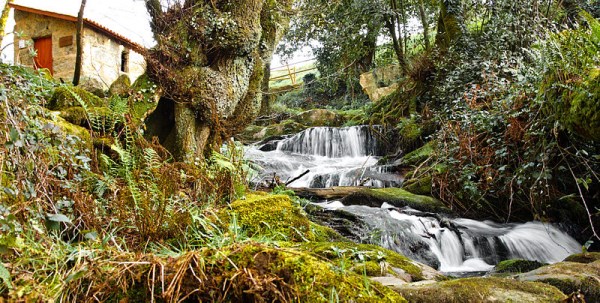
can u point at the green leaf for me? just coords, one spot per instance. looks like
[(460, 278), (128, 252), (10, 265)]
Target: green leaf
[(76, 275), (5, 276), (59, 218)]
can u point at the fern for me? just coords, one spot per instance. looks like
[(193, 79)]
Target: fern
[(151, 159), (220, 162), (94, 120)]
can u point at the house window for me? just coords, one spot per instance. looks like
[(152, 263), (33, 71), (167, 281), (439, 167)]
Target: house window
[(125, 61)]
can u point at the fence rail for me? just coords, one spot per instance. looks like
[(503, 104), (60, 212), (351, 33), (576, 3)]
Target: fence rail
[(291, 72)]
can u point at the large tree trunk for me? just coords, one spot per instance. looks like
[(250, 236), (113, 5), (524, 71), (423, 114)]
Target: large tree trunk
[(79, 45), (396, 44), (425, 23), (213, 71), (449, 27), (390, 24)]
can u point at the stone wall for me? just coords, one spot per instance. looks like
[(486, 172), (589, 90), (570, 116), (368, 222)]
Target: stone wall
[(37, 26), (101, 55), (102, 60)]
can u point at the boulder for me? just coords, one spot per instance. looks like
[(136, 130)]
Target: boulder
[(380, 82), (254, 133), (480, 290), (121, 87), (587, 257), (517, 266), (569, 277), (144, 98), (64, 97), (319, 117)]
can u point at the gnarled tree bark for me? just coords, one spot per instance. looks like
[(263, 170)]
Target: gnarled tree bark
[(209, 61)]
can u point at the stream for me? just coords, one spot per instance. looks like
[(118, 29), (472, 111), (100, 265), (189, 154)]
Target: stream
[(348, 156)]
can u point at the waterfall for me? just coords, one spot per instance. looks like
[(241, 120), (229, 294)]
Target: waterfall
[(348, 156), (334, 156), (334, 142), (461, 245)]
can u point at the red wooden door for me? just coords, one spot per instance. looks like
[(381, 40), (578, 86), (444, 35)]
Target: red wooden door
[(43, 47)]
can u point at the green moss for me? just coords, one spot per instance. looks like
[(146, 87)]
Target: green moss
[(576, 102), (353, 255), (286, 127), (396, 197), (312, 279), (569, 277), (319, 117), (121, 86), (517, 266), (449, 26), (144, 97), (272, 216), (587, 257), (419, 186), (325, 233), (369, 268), (62, 98), (75, 115), (419, 155), (251, 133), (481, 290), (71, 129)]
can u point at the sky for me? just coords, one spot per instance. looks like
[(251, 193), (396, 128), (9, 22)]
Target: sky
[(126, 17)]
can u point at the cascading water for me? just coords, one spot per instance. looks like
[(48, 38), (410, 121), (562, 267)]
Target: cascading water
[(460, 245), (348, 156), (334, 156)]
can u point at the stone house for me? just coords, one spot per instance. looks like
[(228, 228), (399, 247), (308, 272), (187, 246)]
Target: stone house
[(50, 36)]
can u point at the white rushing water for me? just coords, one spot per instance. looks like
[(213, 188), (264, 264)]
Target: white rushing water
[(345, 156), (348, 156), (462, 245)]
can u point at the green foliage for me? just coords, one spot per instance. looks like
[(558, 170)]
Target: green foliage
[(515, 102), (570, 88), (272, 216)]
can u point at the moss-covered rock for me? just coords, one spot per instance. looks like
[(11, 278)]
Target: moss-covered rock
[(144, 97), (75, 115), (480, 290), (120, 87), (255, 133), (319, 117), (71, 129), (372, 260), (242, 272), (286, 127), (63, 98), (311, 279), (272, 216), (587, 257), (325, 233), (569, 277), (419, 185), (354, 117), (396, 197), (419, 155), (409, 134), (517, 266)]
